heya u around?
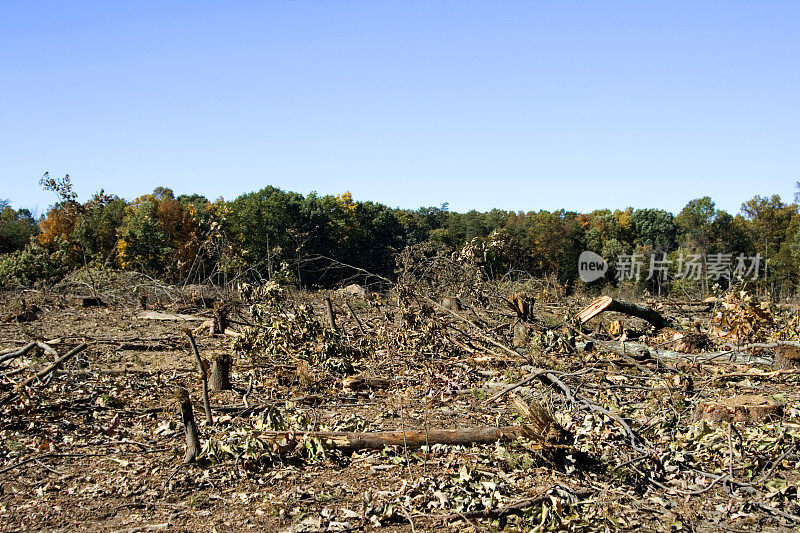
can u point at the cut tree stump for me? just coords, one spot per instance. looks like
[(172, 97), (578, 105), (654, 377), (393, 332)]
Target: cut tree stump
[(331, 315), (88, 301), (607, 303), (220, 373), (787, 356), (189, 426), (452, 304), (522, 334), (744, 409)]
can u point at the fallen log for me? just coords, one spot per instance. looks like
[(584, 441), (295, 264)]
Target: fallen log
[(157, 315), (349, 442), (607, 303)]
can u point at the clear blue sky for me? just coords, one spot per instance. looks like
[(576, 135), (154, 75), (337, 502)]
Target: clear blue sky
[(514, 105)]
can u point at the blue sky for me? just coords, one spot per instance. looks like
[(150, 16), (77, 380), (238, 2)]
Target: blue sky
[(514, 105)]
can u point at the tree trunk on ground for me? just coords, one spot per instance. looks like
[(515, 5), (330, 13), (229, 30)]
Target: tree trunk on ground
[(189, 426), (220, 372), (378, 440), (606, 303)]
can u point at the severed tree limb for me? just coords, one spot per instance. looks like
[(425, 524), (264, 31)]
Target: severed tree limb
[(201, 367), (355, 317), (348, 442), (551, 379), (44, 372), (13, 354), (516, 508), (606, 303)]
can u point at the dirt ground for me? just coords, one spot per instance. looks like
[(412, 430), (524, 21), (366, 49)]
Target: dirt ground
[(98, 445)]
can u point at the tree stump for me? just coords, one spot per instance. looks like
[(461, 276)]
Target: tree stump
[(451, 304), (86, 301), (220, 373), (787, 356), (189, 426), (331, 315), (745, 409), (220, 317), (521, 334)]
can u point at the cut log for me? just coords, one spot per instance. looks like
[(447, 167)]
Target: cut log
[(189, 426), (745, 409), (349, 442), (157, 315), (787, 356), (357, 383), (606, 303)]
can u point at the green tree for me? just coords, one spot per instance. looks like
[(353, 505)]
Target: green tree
[(16, 227)]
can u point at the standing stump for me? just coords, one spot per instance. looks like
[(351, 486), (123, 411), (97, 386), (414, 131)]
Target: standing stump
[(745, 409), (189, 426), (522, 334), (220, 373)]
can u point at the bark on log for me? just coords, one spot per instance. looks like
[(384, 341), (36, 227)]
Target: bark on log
[(331, 316), (220, 372), (189, 426), (606, 303), (378, 440), (356, 383), (201, 367)]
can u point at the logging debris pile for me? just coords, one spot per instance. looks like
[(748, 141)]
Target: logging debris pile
[(396, 411)]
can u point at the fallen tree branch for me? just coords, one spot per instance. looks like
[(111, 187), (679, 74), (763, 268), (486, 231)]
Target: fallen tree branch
[(17, 353), (44, 372)]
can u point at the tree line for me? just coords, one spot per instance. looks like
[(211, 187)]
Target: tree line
[(274, 233)]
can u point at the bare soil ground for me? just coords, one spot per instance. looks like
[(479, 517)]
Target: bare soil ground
[(99, 446)]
